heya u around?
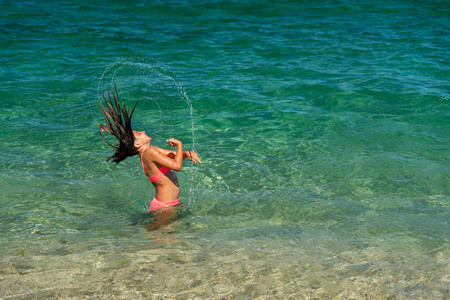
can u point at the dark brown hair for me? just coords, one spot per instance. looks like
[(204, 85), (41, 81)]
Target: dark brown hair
[(118, 123)]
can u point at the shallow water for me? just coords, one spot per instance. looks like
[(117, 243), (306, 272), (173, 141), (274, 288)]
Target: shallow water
[(322, 127)]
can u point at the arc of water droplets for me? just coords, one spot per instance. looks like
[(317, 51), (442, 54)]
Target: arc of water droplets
[(144, 64)]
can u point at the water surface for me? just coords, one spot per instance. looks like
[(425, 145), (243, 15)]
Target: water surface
[(323, 129)]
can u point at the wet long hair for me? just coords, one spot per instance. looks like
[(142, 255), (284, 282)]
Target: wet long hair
[(118, 123)]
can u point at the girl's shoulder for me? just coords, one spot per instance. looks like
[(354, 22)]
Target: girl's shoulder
[(151, 152)]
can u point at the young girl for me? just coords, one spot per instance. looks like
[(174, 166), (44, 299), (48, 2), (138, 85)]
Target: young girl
[(158, 164)]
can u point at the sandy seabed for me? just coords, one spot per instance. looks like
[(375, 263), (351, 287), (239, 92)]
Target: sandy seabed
[(165, 265)]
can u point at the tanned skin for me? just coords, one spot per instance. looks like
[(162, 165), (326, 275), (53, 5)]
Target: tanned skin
[(167, 187)]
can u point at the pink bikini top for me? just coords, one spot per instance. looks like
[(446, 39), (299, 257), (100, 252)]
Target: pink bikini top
[(163, 170)]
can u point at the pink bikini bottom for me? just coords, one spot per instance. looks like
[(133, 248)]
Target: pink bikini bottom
[(158, 204)]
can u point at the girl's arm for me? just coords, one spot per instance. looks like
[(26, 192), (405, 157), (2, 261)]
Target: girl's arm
[(174, 163), (186, 154)]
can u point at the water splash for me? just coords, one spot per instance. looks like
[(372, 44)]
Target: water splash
[(164, 105)]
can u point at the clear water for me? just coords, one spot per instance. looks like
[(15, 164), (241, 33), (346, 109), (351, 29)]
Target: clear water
[(323, 128)]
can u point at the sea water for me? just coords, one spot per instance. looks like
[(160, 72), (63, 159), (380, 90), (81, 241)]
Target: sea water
[(323, 127)]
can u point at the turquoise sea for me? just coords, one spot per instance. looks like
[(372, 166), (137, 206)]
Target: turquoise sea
[(323, 127)]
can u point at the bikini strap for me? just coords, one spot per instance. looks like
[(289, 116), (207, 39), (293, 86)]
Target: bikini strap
[(161, 172)]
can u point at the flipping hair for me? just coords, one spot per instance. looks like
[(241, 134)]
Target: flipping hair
[(118, 123)]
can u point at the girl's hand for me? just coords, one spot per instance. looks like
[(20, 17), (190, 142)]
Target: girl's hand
[(174, 142), (194, 157)]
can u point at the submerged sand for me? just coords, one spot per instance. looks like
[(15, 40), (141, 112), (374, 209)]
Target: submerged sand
[(169, 265)]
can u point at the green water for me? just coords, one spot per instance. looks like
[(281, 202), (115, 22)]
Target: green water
[(322, 127)]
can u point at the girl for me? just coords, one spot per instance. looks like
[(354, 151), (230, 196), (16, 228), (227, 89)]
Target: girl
[(158, 164)]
